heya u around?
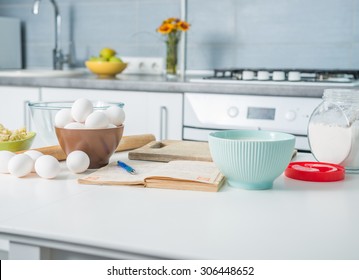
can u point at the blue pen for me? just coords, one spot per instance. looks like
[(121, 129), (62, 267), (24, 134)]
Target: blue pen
[(128, 168)]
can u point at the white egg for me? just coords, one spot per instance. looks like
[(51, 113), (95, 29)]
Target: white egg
[(63, 117), (5, 156), (47, 167), (75, 125), (97, 119), (81, 109), (110, 125), (34, 155), (115, 114), (77, 161), (20, 165)]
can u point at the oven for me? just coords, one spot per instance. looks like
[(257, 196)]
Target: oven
[(205, 112)]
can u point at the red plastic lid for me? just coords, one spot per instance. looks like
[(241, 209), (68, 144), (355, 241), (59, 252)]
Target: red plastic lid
[(315, 171)]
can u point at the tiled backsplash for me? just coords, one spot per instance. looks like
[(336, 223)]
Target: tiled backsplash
[(226, 33)]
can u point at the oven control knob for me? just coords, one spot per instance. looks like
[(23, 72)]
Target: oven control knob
[(232, 112), (290, 115)]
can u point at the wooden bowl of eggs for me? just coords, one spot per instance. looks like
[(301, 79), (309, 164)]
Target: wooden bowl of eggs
[(95, 132)]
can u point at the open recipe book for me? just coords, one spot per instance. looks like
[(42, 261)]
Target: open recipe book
[(179, 174)]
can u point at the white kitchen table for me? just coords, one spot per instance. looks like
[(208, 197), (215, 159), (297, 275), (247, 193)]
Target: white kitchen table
[(64, 220)]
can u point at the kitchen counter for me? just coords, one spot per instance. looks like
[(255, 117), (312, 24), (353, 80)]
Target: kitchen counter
[(295, 220), (155, 83)]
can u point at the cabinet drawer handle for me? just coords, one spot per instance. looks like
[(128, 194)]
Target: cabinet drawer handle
[(163, 122)]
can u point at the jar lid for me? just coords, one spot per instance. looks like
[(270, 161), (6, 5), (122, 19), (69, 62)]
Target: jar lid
[(315, 171)]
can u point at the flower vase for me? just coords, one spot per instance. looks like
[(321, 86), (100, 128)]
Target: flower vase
[(172, 57)]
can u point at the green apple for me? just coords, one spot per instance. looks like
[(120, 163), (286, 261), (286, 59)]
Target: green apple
[(107, 53), (101, 59), (115, 59), (97, 58)]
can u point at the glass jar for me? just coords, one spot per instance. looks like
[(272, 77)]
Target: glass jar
[(333, 129)]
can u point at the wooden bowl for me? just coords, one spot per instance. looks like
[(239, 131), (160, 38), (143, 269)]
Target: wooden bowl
[(98, 144)]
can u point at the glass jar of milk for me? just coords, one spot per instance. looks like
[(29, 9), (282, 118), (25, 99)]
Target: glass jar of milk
[(333, 129)]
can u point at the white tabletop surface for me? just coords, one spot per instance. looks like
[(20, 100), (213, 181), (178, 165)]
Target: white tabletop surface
[(294, 220)]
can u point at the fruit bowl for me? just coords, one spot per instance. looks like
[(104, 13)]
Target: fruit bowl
[(18, 145), (105, 69)]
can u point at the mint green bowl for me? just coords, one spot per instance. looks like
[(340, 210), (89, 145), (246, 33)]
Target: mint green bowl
[(251, 159), (18, 145)]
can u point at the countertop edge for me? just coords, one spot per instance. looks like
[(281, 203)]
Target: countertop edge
[(160, 84)]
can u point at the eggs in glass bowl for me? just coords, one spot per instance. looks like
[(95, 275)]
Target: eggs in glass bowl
[(84, 114), (44, 113)]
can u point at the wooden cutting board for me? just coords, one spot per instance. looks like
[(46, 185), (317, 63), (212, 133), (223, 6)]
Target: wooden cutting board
[(168, 150)]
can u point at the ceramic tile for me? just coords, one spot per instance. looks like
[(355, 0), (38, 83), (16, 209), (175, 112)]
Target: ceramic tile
[(355, 18), (212, 22), (225, 33), (97, 22), (207, 57), (293, 56), (38, 55), (294, 22), (354, 56), (150, 15)]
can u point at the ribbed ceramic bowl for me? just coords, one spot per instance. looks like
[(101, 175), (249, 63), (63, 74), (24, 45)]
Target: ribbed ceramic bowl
[(251, 159)]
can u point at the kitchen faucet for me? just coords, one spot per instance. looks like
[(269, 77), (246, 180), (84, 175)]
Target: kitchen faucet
[(58, 58)]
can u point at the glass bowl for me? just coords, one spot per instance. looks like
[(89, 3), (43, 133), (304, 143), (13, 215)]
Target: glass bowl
[(43, 116)]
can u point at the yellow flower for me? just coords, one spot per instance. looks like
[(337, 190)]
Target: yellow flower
[(172, 20), (183, 26), (165, 28), (172, 25)]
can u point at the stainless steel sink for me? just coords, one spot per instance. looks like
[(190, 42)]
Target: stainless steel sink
[(42, 73)]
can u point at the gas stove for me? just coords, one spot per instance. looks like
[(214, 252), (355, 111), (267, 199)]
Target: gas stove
[(331, 77)]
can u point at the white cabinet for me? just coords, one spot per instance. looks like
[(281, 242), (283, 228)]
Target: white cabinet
[(13, 106), (146, 112), (165, 115)]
